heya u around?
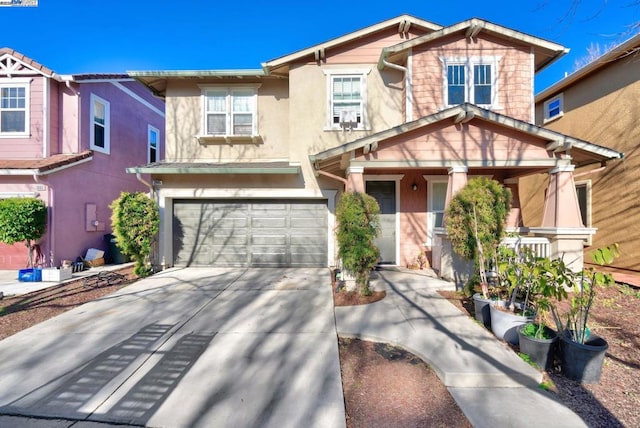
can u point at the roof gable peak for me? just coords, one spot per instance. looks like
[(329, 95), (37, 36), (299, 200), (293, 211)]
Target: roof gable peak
[(13, 63)]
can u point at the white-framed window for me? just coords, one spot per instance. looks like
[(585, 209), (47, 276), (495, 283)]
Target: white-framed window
[(347, 98), (471, 80), (230, 111), (436, 199), (553, 108), (153, 144), (14, 107), (100, 131), (583, 191)]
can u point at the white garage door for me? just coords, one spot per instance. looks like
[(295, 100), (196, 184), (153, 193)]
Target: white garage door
[(250, 233)]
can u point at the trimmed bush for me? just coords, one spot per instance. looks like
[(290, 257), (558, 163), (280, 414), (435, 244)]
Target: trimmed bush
[(22, 219)]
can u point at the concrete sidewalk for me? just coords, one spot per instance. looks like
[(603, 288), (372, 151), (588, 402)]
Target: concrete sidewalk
[(491, 384)]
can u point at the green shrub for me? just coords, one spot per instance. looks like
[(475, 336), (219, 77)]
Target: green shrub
[(22, 219), (135, 222), (475, 221), (358, 226)]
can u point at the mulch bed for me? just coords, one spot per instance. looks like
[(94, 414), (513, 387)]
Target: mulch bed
[(615, 400), (385, 386), (21, 312)]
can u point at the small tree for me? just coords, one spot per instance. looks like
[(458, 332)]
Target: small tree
[(135, 222), (22, 219), (475, 221), (358, 226)]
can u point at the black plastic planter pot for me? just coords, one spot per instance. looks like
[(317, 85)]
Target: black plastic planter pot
[(540, 351), (583, 362), (481, 305), (504, 324)]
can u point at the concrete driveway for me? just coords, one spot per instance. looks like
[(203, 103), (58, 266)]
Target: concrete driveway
[(185, 348)]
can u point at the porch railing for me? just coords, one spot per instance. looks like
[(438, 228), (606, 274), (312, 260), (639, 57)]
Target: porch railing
[(540, 246)]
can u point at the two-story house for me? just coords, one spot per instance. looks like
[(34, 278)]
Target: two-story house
[(599, 103), (67, 139), (405, 110)]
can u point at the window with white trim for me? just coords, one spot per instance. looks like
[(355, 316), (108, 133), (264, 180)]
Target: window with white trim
[(553, 108), (153, 144), (583, 191), (347, 98), (230, 111), (472, 80), (14, 108), (100, 131), (436, 199)]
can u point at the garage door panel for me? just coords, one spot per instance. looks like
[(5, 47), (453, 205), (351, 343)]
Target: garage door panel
[(250, 233), (262, 222)]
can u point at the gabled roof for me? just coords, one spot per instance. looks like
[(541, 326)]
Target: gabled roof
[(11, 61), (402, 22), (43, 166), (629, 47), (545, 52), (466, 112)]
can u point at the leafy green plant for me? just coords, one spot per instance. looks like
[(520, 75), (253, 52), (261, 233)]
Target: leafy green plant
[(135, 222), (585, 287), (357, 216), (475, 222), (537, 331), (22, 219)]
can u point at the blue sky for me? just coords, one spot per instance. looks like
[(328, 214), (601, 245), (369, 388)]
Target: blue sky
[(84, 36)]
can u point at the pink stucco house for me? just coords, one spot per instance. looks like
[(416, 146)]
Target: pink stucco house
[(67, 139), (405, 110)]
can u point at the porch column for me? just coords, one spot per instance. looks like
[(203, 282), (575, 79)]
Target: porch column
[(355, 179), (561, 208), (561, 221), (514, 219), (457, 180), (450, 266)]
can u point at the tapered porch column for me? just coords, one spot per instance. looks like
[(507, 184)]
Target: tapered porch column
[(355, 179), (561, 221), (561, 208), (457, 180), (514, 219)]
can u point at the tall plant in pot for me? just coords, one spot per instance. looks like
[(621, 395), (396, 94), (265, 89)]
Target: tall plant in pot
[(582, 352), (475, 223)]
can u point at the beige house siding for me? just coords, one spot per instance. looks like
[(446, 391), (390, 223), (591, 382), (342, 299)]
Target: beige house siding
[(184, 119), (604, 109), (515, 91)]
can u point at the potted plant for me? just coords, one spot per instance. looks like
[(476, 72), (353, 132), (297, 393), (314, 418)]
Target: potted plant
[(582, 353), (533, 284), (358, 226), (537, 340), (23, 220), (475, 222)]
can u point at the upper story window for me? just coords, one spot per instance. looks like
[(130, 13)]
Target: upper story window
[(472, 80), (100, 124), (230, 111), (153, 144), (553, 108), (14, 107), (347, 99)]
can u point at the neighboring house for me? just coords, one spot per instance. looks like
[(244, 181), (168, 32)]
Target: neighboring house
[(67, 139), (405, 110), (600, 103)]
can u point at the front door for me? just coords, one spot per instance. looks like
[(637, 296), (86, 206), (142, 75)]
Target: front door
[(385, 193)]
